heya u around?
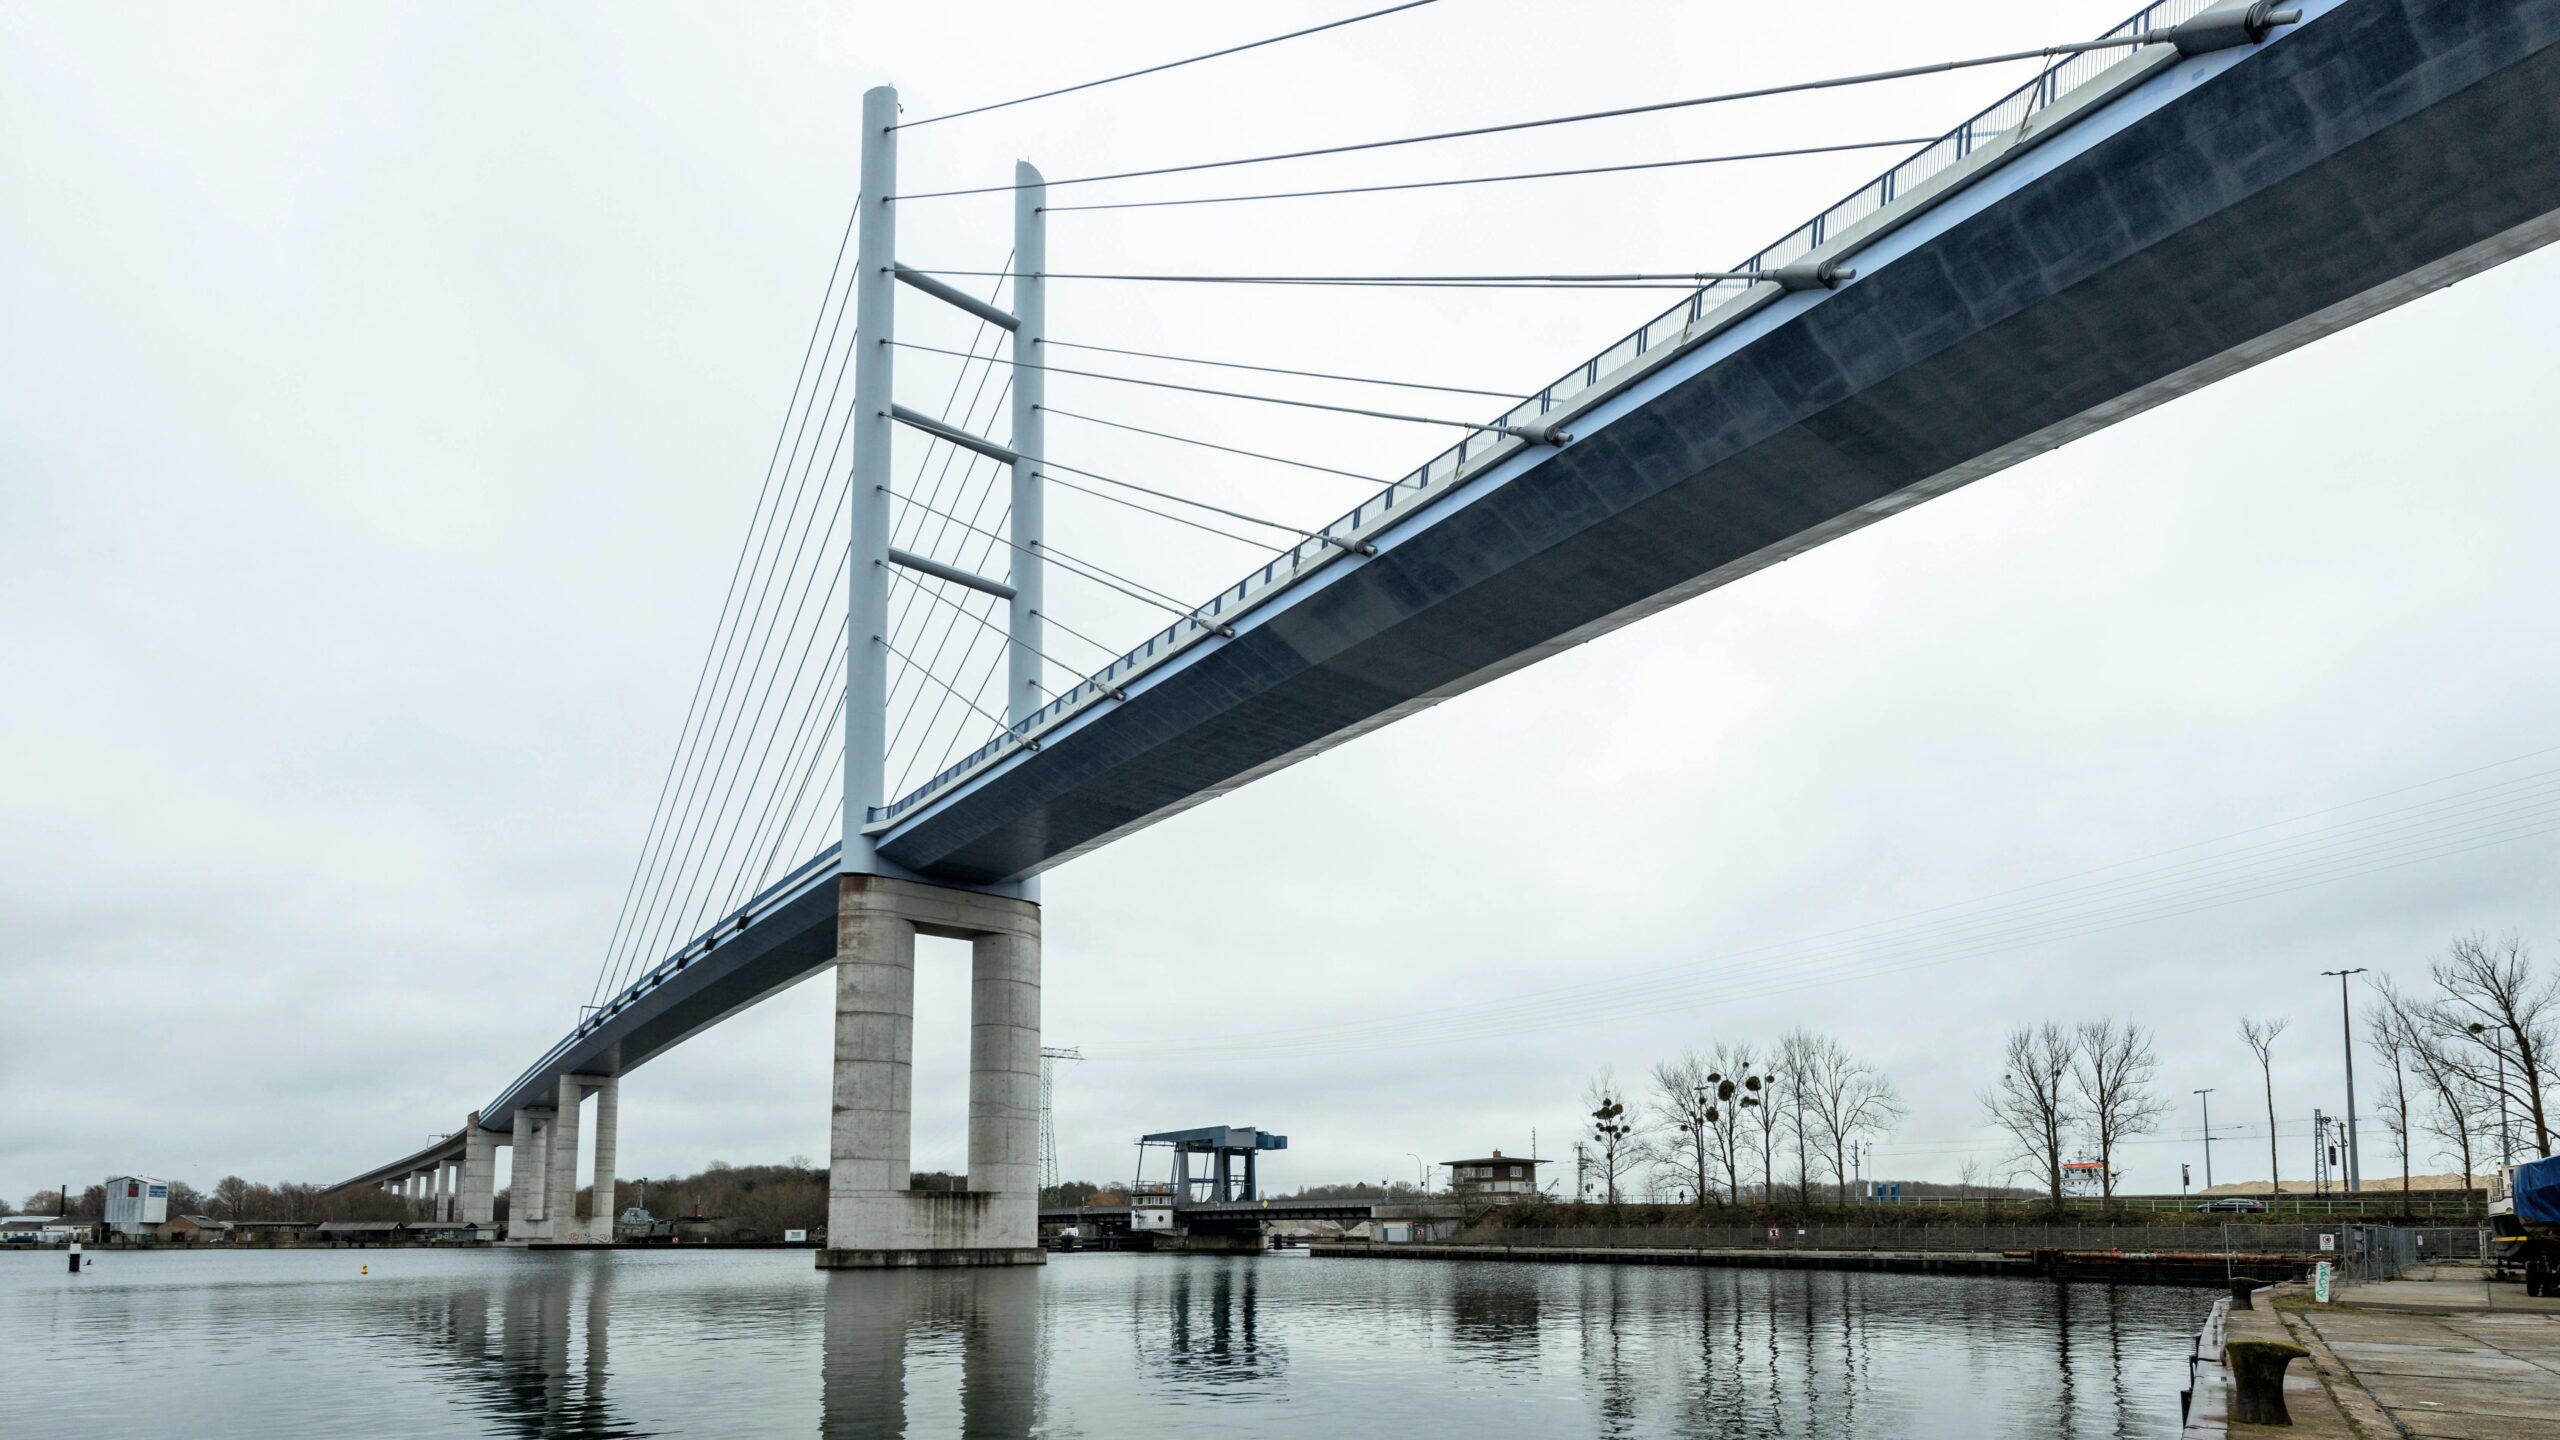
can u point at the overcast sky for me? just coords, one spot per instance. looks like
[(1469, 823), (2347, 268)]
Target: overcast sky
[(384, 389)]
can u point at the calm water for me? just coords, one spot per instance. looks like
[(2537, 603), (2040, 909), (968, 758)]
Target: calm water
[(759, 1342)]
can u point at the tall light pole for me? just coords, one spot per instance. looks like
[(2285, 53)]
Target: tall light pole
[(2480, 1032), (2206, 1095), (2347, 1039), (1422, 1173)]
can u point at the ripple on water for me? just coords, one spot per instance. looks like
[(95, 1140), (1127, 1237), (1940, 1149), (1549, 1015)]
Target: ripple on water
[(288, 1343)]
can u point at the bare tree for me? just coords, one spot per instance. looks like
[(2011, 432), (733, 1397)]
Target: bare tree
[(1733, 1095), (231, 1198), (1846, 1098), (1969, 1179), (2113, 1073), (2507, 1012), (1799, 1056), (1768, 1118), (1614, 1134), (2036, 1103), (2389, 1034), (1683, 1098), (2260, 1036)]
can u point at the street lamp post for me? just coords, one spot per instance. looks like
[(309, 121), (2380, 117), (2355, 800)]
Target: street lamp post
[(1421, 1172), (2480, 1032), (2347, 1039), (2206, 1096)]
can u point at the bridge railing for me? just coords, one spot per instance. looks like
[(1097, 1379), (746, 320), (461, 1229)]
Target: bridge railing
[(1483, 449)]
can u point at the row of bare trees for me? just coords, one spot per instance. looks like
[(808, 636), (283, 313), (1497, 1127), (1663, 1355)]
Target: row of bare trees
[(2064, 1091), (1717, 1125), (2469, 1062)]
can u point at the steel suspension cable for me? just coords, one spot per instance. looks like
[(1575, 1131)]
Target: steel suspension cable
[(739, 681), (1159, 69), (737, 568), (1278, 370), (1178, 518), (1099, 575), (938, 680), (968, 474), (951, 453), (689, 876), (1297, 530), (1665, 280), (1109, 653), (978, 510), (1908, 72), (1230, 394), (1504, 179), (1214, 445), (693, 778), (714, 889), (987, 621), (749, 878)]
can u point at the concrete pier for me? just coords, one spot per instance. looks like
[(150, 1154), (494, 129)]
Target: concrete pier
[(524, 1202), (874, 1221), (601, 1208), (479, 1187)]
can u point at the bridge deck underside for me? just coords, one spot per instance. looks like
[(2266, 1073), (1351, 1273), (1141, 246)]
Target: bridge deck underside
[(2386, 148), (2381, 139)]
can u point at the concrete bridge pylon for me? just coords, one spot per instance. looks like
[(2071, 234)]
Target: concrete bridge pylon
[(874, 1219)]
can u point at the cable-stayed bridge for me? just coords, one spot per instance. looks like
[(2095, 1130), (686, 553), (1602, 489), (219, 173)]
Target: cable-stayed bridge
[(2205, 187)]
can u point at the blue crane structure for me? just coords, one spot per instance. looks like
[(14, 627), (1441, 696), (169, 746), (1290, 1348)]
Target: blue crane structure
[(2208, 186)]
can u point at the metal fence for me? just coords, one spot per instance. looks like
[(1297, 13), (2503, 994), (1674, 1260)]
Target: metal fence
[(2368, 1253), (2376, 1247)]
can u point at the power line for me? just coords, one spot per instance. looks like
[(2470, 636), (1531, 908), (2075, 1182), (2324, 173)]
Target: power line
[(1277, 370), (1156, 69), (1519, 431), (1213, 445), (2047, 52), (1503, 179)]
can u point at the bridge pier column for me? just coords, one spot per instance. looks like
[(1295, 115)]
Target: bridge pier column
[(603, 1209), (560, 1184), (874, 1221), (526, 1218), (477, 1200)]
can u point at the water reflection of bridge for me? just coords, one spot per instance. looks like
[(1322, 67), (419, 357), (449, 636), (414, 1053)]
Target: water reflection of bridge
[(1602, 1348), (531, 1352)]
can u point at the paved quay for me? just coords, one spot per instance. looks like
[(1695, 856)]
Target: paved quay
[(2440, 1354)]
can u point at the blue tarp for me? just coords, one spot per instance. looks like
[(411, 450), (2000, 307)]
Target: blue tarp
[(2537, 1192)]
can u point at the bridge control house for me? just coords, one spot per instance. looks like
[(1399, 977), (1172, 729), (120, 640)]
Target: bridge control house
[(1497, 1176)]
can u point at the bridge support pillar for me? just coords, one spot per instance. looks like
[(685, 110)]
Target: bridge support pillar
[(526, 1218), (604, 1206), (563, 1225), (478, 1200), (874, 1221)]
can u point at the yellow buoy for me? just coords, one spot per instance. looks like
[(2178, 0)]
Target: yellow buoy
[(364, 1269)]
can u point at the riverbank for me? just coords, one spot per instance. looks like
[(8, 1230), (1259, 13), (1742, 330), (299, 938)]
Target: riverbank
[(2125, 1267), (2442, 1353)]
